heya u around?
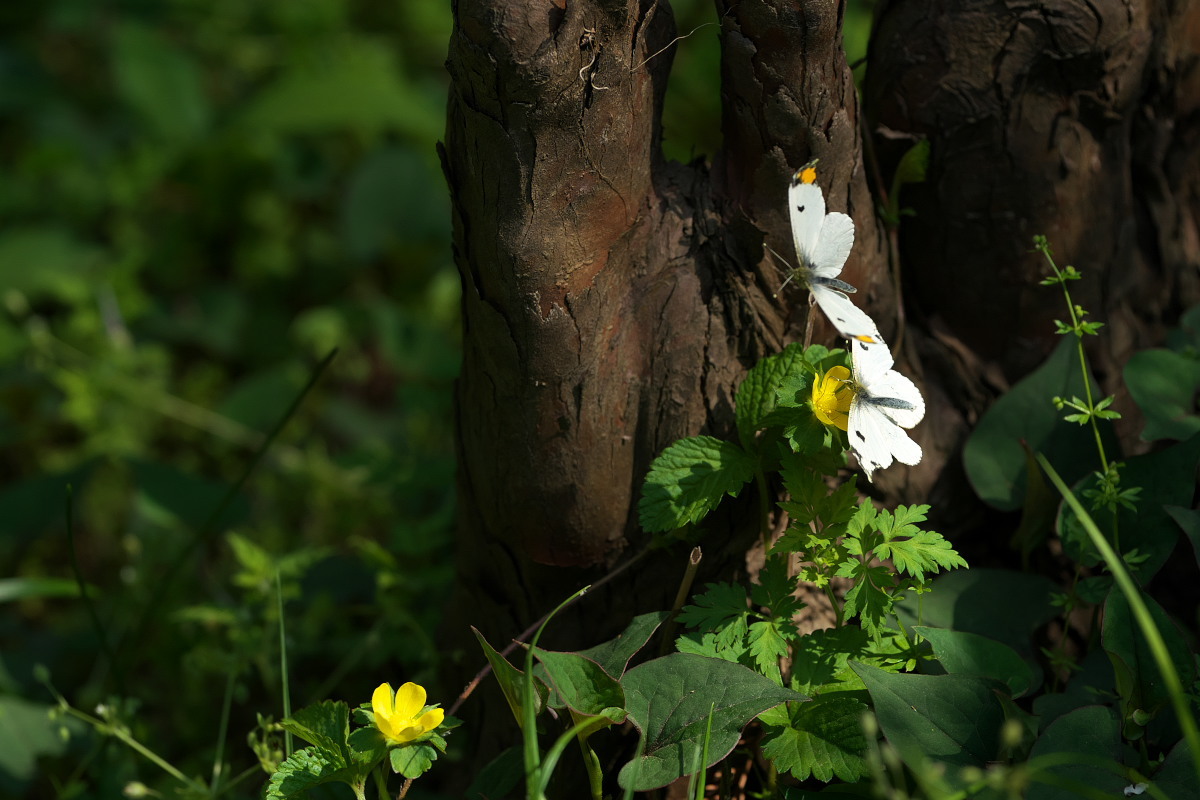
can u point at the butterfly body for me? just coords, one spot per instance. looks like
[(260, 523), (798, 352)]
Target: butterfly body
[(823, 242)]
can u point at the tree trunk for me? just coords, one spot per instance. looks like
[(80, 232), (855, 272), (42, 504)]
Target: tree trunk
[(612, 300)]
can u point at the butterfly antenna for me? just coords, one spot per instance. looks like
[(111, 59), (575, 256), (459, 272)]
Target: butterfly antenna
[(791, 271)]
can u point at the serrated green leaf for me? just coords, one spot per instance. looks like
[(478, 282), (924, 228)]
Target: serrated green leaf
[(707, 644), (303, 770), (866, 600), (767, 645), (689, 479), (720, 605), (756, 396), (671, 699), (325, 724), (822, 739)]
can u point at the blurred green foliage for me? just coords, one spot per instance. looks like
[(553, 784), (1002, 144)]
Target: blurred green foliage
[(201, 199)]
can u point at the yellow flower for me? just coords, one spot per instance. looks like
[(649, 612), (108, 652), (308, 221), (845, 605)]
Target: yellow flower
[(398, 716), (831, 397)]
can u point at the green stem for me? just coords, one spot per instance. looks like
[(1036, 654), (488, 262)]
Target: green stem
[(283, 665), (764, 510), (123, 736), (1141, 613), (222, 732), (595, 772)]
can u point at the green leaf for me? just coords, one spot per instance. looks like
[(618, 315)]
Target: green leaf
[(1091, 731), (768, 641), (412, 760), (511, 680), (29, 588), (867, 599), (993, 457), (1002, 605), (1164, 385), (1177, 775), (911, 549), (670, 699), (689, 479), (351, 82), (326, 725), (1140, 685), (1166, 478), (963, 653), (819, 659), (756, 396), (954, 719), (1188, 521), (499, 777), (721, 607), (613, 656), (48, 262), (160, 81), (581, 683), (823, 739), (30, 731), (304, 769), (710, 645)]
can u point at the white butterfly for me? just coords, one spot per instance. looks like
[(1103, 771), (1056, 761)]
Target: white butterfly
[(823, 243), (885, 403)]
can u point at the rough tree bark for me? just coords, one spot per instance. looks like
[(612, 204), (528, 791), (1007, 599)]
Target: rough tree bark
[(612, 300)]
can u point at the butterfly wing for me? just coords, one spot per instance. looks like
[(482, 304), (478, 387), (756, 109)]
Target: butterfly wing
[(850, 320), (877, 440), (806, 207), (886, 402), (833, 245)]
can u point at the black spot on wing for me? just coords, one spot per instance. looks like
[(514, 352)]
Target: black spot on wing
[(860, 436)]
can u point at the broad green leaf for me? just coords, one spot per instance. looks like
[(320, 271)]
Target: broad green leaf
[(29, 732), (1166, 478), (28, 588), (325, 724), (1164, 384), (1000, 604), (613, 656), (350, 83), (756, 396), (670, 700), (376, 218), (499, 777), (913, 164), (823, 739), (367, 746), (160, 81), (580, 682), (1093, 679), (1092, 732), (1139, 682), (689, 479), (1177, 775), (172, 498), (511, 680), (954, 719), (45, 262), (963, 653), (993, 457), (1188, 521)]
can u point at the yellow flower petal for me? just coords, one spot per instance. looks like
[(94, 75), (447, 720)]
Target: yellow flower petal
[(832, 396), (410, 699), (431, 719), (383, 702)]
